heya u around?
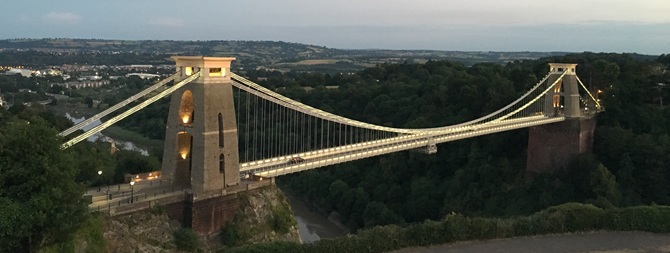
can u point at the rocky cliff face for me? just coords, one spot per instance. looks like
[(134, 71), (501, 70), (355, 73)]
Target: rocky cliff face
[(264, 215), (144, 231), (269, 206)]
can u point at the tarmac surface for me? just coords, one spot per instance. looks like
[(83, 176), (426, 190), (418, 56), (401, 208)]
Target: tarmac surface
[(600, 242)]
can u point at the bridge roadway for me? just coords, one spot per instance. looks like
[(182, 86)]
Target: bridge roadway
[(280, 166)]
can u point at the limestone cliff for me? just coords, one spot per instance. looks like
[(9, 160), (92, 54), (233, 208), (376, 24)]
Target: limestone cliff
[(263, 215), (141, 232)]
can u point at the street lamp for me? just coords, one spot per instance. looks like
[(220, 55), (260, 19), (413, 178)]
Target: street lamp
[(99, 174), (131, 191)]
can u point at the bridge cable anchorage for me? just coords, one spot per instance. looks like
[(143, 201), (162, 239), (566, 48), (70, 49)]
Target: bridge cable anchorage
[(121, 104), (588, 92), (130, 111)]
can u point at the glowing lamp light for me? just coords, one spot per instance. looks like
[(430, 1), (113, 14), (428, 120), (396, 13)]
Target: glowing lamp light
[(185, 119), (188, 71), (183, 154)]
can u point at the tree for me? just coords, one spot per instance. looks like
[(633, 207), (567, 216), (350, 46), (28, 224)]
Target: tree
[(41, 202), (89, 102)]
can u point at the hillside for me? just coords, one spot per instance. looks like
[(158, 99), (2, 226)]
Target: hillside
[(275, 55)]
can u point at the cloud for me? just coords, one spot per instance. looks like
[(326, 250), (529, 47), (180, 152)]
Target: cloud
[(66, 18), (167, 22)]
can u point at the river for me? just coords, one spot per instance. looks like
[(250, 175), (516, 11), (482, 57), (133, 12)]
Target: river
[(99, 136), (312, 225)]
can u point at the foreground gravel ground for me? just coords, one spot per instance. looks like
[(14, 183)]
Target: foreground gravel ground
[(601, 242)]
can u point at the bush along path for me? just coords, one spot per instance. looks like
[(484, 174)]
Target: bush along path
[(569, 217)]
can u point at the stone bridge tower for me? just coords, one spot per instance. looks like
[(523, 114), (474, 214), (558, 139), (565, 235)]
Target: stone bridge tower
[(200, 149), (553, 147)]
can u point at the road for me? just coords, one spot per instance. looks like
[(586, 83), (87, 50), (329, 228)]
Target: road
[(120, 193), (602, 242)]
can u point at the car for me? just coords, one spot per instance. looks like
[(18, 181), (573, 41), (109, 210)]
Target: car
[(295, 160)]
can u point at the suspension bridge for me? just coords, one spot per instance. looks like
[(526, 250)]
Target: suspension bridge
[(223, 128)]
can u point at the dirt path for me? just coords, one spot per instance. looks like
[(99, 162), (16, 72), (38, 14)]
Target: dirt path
[(601, 242)]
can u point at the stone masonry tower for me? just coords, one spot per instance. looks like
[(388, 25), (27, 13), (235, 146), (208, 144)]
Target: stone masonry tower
[(563, 99), (200, 149), (553, 147)]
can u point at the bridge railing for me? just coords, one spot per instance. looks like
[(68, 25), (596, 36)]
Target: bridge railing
[(126, 200)]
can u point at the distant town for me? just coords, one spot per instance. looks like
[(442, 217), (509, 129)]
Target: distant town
[(53, 68)]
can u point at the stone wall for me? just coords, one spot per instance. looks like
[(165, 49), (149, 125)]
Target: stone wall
[(209, 216), (553, 147)]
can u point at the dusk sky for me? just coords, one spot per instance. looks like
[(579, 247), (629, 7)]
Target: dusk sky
[(641, 26)]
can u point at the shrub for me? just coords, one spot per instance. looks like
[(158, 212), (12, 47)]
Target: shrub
[(455, 227), (157, 210), (282, 219), (483, 228), (426, 233), (234, 235), (186, 240), (644, 218), (91, 232), (268, 247), (569, 217)]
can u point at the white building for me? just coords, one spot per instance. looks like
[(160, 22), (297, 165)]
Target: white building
[(84, 84), (143, 75), (23, 72)]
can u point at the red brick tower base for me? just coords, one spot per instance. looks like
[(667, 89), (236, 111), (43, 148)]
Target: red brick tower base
[(209, 215), (206, 215), (553, 147)]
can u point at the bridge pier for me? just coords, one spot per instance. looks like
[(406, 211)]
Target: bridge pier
[(554, 146), (209, 214)]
